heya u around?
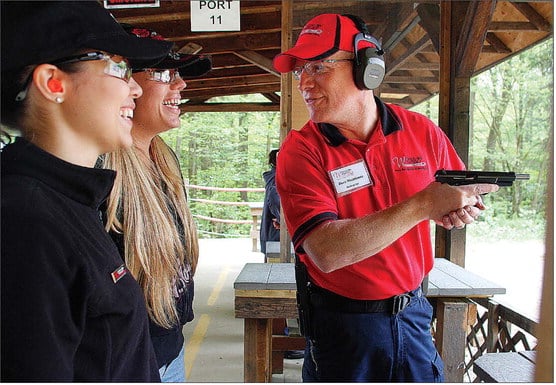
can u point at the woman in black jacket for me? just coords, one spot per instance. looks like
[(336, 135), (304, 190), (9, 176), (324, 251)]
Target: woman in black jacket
[(70, 309)]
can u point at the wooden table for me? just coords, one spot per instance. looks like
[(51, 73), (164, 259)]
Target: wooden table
[(264, 291), (506, 367)]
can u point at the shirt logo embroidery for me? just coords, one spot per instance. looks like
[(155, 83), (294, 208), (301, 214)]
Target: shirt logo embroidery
[(409, 163), (119, 273)]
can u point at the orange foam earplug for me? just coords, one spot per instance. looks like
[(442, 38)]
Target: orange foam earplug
[(54, 85)]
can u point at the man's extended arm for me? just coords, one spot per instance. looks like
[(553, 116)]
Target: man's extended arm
[(340, 243)]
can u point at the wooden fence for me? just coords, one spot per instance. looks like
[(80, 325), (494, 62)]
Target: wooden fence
[(255, 208), (499, 328)]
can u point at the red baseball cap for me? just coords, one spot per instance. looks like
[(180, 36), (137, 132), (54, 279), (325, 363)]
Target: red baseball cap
[(322, 36)]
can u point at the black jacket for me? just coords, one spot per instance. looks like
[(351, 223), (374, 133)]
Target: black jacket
[(70, 312), (167, 343), (271, 209)]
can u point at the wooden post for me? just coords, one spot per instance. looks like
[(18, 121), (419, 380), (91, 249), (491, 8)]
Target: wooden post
[(493, 330), (545, 360), (258, 344), (463, 29), (453, 318), (285, 115), (447, 242)]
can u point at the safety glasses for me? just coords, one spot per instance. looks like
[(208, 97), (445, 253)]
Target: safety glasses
[(116, 66), (166, 76), (315, 68)]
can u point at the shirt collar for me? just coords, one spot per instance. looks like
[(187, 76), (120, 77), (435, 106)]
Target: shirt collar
[(389, 121)]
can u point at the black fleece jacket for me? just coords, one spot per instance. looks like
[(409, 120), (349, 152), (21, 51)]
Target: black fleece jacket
[(70, 310)]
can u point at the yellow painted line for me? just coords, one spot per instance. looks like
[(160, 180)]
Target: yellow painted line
[(218, 287), (194, 343)]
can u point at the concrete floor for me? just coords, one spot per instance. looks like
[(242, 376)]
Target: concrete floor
[(214, 340)]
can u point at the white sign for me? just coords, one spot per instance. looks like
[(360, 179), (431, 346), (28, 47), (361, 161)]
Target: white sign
[(115, 4), (215, 15)]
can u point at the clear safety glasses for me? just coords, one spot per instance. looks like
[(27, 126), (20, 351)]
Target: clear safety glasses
[(313, 68), (162, 76), (116, 66)]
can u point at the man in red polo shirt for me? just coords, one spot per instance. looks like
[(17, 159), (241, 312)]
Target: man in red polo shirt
[(357, 189)]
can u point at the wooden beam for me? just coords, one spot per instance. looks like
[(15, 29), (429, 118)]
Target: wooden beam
[(229, 91), (533, 16), (418, 65), (512, 26), (412, 79), (387, 89), (230, 107), (430, 21), (399, 15), (231, 81), (258, 60), (411, 51), (498, 45), (273, 97), (471, 39)]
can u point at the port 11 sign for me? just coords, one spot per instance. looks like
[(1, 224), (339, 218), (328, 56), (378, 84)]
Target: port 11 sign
[(215, 15)]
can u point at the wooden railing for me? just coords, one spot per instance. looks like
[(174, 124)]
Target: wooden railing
[(255, 209), (499, 328)]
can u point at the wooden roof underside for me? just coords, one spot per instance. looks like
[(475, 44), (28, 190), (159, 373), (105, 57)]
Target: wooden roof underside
[(409, 32)]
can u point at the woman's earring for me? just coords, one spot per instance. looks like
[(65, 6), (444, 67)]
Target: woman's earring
[(58, 100)]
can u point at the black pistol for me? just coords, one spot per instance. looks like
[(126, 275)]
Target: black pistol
[(463, 177)]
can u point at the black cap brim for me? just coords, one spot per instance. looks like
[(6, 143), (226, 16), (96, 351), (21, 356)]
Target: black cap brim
[(142, 53), (187, 65)]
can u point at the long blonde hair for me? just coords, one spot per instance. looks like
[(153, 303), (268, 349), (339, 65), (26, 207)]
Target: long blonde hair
[(148, 205)]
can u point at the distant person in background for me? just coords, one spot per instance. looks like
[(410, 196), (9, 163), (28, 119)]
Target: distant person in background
[(270, 219), (270, 231), (71, 312), (148, 214)]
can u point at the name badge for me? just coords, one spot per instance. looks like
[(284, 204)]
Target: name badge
[(350, 178)]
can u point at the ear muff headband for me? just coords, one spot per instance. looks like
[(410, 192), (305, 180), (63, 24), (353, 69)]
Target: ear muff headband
[(368, 68)]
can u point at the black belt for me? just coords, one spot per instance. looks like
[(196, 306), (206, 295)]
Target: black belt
[(322, 298)]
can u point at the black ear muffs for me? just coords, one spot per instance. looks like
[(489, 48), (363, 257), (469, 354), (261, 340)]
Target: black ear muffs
[(368, 67)]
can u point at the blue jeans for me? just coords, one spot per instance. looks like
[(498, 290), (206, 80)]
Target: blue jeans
[(175, 370), (372, 347)]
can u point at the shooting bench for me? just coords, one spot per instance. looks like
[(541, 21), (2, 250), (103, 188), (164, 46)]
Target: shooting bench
[(265, 291), (506, 367)]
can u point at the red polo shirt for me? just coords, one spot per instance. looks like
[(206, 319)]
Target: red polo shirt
[(323, 176)]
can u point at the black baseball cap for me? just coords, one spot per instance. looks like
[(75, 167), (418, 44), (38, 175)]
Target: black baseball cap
[(188, 65), (35, 32)]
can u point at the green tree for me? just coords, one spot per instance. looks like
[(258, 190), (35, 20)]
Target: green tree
[(225, 150), (512, 120)]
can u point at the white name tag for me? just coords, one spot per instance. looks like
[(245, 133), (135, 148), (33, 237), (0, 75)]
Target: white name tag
[(347, 179)]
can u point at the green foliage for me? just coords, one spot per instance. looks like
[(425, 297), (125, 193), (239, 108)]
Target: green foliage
[(225, 150), (511, 128)]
